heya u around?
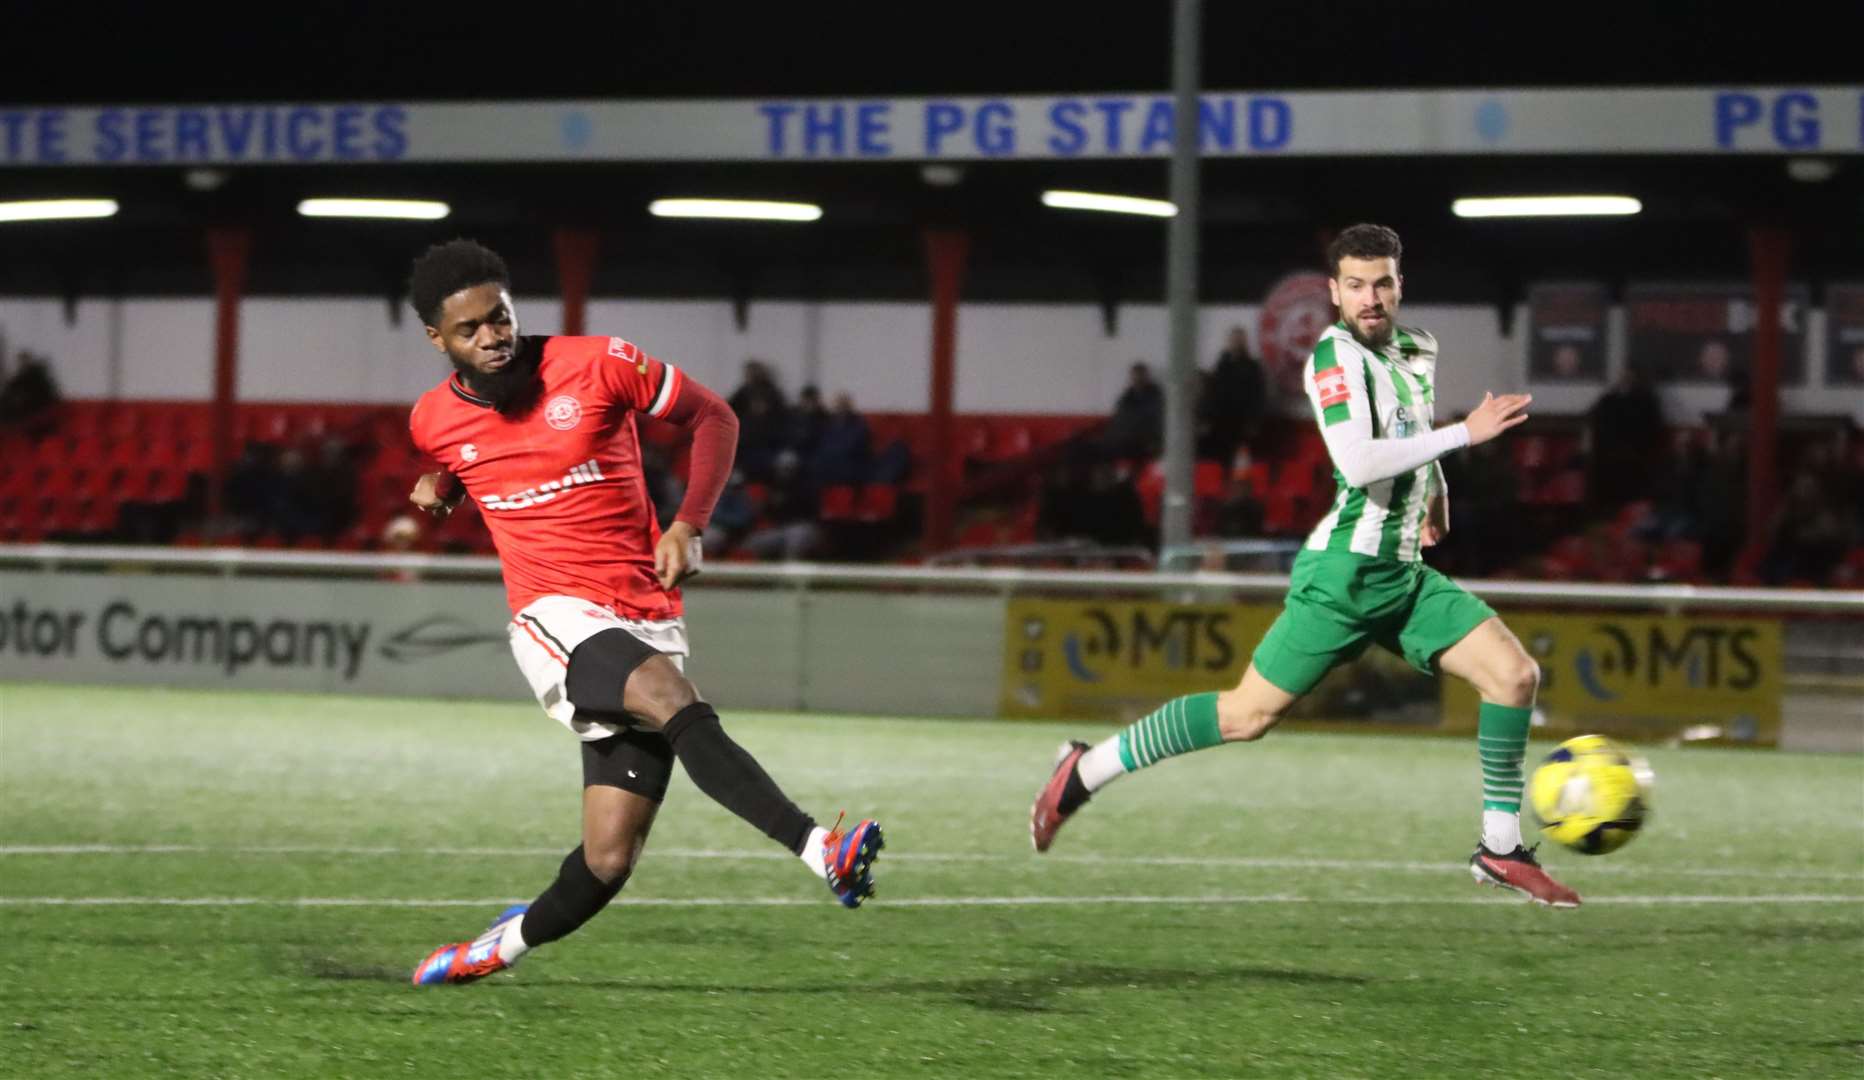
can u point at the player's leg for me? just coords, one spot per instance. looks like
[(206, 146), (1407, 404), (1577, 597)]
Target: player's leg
[(1456, 633), (624, 781), (625, 778), (652, 689), (1491, 659), (1304, 643)]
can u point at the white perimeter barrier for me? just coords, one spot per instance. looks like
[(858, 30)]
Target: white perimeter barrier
[(837, 638)]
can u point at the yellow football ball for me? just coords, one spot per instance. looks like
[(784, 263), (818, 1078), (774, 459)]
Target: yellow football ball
[(1591, 795)]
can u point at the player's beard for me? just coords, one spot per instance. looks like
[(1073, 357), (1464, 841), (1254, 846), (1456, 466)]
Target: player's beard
[(510, 389), (1383, 338)]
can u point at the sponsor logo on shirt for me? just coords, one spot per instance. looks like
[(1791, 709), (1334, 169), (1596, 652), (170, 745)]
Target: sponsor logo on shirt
[(469, 452), (586, 473), (1331, 384), (626, 351), (563, 413)]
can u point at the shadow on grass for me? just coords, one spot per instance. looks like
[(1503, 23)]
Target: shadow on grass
[(1031, 992), (325, 967)]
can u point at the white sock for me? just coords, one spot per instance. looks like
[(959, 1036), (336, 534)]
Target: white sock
[(812, 852), (1099, 766), (1501, 831), (511, 944)]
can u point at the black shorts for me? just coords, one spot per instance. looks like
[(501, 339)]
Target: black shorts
[(637, 760)]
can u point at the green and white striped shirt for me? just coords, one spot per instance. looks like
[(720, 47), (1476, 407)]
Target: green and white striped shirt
[(1375, 412)]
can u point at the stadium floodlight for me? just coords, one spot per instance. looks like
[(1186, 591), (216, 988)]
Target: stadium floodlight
[(1547, 206), (57, 209), (392, 209), (735, 209), (1110, 204)]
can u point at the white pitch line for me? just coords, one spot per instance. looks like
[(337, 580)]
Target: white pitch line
[(1244, 862), (909, 902)]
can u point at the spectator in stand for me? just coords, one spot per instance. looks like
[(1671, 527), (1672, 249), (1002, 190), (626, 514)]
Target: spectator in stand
[(1060, 514), (1720, 503), (1138, 421), (1232, 401), (251, 486), (1116, 514), (293, 512), (1626, 432), (807, 422), (1808, 537), (29, 400), (842, 454), (1239, 512), (789, 527), (763, 420), (732, 517), (760, 439), (665, 490), (332, 481), (1485, 493), (760, 385)]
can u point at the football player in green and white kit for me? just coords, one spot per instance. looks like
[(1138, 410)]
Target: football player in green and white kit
[(1360, 578)]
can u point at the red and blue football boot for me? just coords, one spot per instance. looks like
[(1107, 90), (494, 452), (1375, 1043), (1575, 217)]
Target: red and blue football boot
[(849, 858), (468, 961)]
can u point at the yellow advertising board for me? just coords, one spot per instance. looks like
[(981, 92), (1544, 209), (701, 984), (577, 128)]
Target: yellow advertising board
[(1121, 658), (1647, 677)]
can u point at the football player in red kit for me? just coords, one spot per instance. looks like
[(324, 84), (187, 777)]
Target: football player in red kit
[(540, 433)]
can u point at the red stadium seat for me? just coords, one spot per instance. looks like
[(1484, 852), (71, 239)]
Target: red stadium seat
[(837, 503), (879, 502), (1207, 480)]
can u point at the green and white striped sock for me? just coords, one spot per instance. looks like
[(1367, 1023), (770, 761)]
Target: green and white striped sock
[(1501, 743), (1179, 726)]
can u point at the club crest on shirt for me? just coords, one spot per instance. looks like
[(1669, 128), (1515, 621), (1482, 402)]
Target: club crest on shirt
[(469, 453), (563, 413)]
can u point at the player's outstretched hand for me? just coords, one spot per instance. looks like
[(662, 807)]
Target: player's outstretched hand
[(431, 493), (1496, 415), (677, 556)]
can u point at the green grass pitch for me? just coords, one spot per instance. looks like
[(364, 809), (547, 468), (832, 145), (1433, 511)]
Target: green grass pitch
[(1292, 908)]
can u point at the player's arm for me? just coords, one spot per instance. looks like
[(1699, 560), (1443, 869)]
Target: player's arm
[(435, 492), (1340, 396), (713, 427), (1437, 515)]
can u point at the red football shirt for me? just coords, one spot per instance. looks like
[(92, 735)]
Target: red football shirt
[(560, 483)]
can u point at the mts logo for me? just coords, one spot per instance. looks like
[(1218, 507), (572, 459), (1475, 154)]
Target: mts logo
[(1614, 659), (1178, 639)]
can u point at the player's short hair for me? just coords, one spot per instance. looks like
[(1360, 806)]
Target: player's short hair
[(1363, 242), (445, 269)]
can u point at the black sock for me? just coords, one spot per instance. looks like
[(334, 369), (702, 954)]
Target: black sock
[(570, 901), (732, 778), (1074, 792)]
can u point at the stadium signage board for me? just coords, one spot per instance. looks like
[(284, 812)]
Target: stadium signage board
[(1120, 658), (1648, 678), (273, 635), (1679, 120), (1566, 341), (1844, 329), (1704, 333)]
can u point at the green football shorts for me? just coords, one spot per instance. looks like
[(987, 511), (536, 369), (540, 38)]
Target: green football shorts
[(1338, 603)]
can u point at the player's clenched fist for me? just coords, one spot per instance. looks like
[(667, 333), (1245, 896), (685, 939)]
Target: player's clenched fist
[(437, 493)]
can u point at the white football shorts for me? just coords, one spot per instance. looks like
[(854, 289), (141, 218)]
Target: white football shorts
[(548, 630)]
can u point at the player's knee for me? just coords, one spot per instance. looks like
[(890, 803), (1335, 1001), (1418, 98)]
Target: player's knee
[(611, 862), (657, 690), (1518, 681)]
